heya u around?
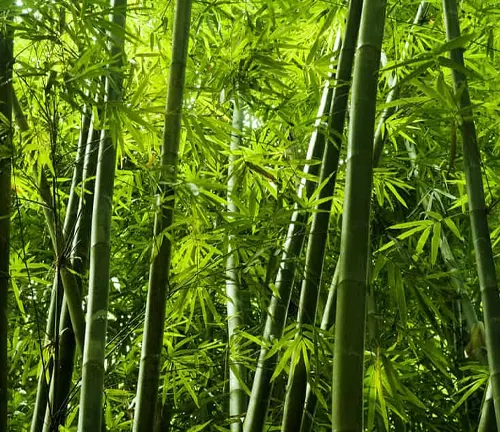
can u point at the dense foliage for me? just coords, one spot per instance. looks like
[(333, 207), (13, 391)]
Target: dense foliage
[(424, 361)]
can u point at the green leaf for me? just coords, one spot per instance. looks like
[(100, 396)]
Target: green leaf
[(453, 228), (436, 239), (471, 388), (422, 240), (458, 42), (372, 398), (409, 233), (251, 337), (285, 357), (449, 63), (422, 224), (386, 246), (187, 383), (199, 428), (435, 215), (17, 296)]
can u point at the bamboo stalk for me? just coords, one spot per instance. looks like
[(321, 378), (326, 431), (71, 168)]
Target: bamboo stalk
[(6, 62), (90, 415), (477, 208), (147, 385), (277, 311), (348, 365), (233, 302), (297, 384)]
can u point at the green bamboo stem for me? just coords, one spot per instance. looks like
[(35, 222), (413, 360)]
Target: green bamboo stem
[(380, 133), (487, 421), (477, 208), (6, 62), (328, 319), (73, 296), (42, 392), (316, 245), (348, 365), (147, 385), (277, 311), (77, 220), (234, 310), (378, 143), (90, 415), (43, 395)]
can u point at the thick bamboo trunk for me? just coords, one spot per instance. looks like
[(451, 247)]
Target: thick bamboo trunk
[(152, 343), (348, 365)]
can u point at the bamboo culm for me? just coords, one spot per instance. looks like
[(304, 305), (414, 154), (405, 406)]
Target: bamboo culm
[(91, 396), (477, 208), (348, 365), (152, 343)]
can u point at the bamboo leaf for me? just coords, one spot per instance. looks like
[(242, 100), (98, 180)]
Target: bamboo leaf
[(372, 398), (200, 427), (422, 240), (17, 296), (453, 228), (436, 239), (471, 389)]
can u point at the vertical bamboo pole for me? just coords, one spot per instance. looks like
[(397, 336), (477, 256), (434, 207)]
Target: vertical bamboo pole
[(152, 343), (348, 365), (90, 416), (6, 62)]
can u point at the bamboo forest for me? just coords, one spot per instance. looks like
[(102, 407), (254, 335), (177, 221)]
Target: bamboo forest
[(249, 216)]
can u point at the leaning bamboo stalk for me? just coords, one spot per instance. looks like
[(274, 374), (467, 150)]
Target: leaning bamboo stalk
[(328, 318), (316, 246), (42, 392), (73, 296), (80, 227), (277, 311), (55, 306), (487, 421), (380, 133), (477, 208), (152, 343)]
